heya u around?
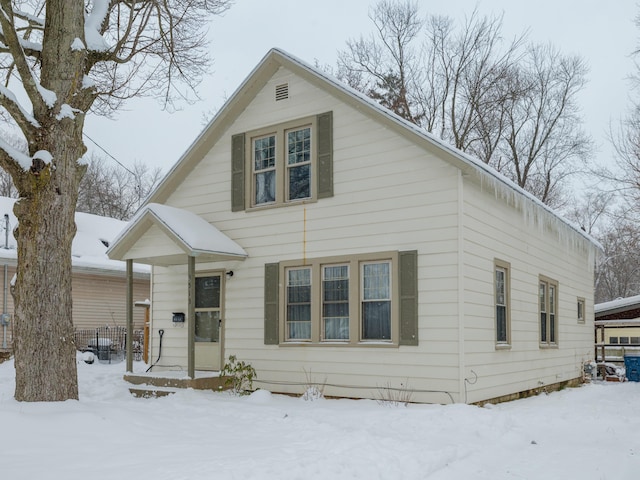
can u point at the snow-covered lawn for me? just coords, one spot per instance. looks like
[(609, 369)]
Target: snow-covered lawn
[(592, 432)]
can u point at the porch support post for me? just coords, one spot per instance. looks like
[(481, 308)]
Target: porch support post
[(129, 339), (191, 316)]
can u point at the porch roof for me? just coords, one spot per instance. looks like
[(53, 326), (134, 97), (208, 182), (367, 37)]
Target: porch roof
[(163, 235)]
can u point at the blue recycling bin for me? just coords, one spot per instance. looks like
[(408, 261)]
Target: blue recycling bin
[(632, 366)]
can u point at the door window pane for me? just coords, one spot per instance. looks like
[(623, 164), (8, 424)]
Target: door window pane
[(208, 326), (207, 304), (208, 292)]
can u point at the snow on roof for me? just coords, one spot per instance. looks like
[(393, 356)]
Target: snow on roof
[(466, 158), (94, 235), (196, 234), (617, 303)]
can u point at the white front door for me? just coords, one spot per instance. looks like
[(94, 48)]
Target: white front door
[(209, 295)]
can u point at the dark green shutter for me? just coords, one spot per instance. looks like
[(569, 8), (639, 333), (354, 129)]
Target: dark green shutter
[(237, 172), (271, 295), (325, 155), (408, 271)]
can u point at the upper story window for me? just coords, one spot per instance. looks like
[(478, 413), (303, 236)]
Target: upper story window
[(283, 164)]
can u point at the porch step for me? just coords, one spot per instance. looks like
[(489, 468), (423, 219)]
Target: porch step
[(158, 385), (5, 355), (152, 391)]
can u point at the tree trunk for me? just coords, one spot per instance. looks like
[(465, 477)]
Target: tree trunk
[(44, 349)]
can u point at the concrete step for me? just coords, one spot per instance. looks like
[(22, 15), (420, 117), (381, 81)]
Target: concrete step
[(152, 391)]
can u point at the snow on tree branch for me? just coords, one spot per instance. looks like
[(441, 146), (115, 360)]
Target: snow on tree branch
[(17, 52)]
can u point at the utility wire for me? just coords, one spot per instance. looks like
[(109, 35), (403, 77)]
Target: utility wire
[(110, 156)]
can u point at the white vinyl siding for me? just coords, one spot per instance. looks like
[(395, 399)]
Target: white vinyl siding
[(389, 194), (532, 244)]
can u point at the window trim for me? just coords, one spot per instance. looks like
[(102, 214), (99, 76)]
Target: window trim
[(581, 304), (279, 131), (506, 267), (324, 302), (355, 263), (548, 282)]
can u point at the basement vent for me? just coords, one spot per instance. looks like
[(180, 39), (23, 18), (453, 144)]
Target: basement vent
[(282, 92)]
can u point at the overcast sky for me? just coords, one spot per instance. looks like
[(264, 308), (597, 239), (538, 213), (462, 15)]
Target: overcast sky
[(603, 33)]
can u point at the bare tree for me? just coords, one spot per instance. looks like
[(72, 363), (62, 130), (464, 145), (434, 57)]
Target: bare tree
[(112, 191), (384, 66), (513, 106), (592, 212), (542, 139), (70, 58), (618, 273)]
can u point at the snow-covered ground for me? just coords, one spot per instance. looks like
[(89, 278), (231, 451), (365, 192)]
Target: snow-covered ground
[(592, 432)]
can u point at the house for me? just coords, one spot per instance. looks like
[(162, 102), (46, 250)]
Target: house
[(98, 283), (617, 328), (322, 239)]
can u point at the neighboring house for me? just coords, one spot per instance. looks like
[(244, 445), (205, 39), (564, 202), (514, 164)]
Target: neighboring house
[(617, 327), (324, 239), (98, 283)]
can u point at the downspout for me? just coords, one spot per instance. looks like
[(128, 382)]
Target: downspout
[(461, 350), (6, 283)]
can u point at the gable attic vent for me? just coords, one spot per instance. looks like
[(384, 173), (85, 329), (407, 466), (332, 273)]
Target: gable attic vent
[(282, 92)]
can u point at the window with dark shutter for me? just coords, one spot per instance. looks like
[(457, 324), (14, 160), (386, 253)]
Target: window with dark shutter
[(237, 172), (271, 293), (408, 272)]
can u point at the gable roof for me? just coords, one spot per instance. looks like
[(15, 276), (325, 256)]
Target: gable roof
[(88, 251), (276, 59), (191, 234)]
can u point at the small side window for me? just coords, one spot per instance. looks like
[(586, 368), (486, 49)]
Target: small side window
[(580, 310)]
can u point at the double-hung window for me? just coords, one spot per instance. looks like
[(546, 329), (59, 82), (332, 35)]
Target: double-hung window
[(298, 178), (284, 164), (350, 300), (502, 310), (275, 178), (264, 169), (581, 304), (376, 301), (335, 302), (298, 316), (548, 305)]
